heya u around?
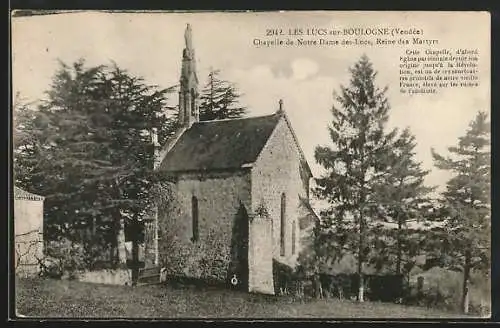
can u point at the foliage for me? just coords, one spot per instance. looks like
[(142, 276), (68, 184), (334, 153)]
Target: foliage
[(465, 236), (64, 258), (207, 259), (306, 262), (219, 99), (385, 288), (89, 150), (312, 253), (283, 276), (442, 289), (31, 145), (355, 166), (403, 198), (262, 211)]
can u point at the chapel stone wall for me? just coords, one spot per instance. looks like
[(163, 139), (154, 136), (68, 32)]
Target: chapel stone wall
[(221, 249), (279, 170)]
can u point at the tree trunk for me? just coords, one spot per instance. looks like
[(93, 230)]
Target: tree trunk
[(317, 286), (465, 286), (399, 249), (156, 236), (361, 287), (94, 227), (135, 261), (120, 240), (113, 250), (119, 228)]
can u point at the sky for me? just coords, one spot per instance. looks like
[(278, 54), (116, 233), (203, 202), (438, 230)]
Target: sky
[(305, 77)]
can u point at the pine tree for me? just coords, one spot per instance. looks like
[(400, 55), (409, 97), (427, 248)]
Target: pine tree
[(467, 202), (312, 252), (47, 161), (28, 125), (219, 99), (404, 198), (355, 165)]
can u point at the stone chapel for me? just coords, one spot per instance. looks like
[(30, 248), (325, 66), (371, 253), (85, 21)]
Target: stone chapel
[(240, 184)]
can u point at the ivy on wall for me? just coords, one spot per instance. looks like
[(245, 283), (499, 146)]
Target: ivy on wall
[(209, 258)]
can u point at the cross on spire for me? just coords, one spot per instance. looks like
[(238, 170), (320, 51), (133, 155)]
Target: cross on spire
[(280, 110)]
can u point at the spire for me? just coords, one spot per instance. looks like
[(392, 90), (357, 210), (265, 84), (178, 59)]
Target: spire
[(188, 38), (188, 93)]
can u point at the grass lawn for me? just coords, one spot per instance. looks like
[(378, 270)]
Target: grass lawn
[(57, 299)]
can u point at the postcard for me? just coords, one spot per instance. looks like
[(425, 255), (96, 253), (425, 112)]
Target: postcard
[(251, 165)]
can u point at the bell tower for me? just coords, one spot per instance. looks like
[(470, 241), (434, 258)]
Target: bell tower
[(189, 111)]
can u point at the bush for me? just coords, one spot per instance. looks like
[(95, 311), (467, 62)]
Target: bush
[(207, 260), (283, 276), (290, 281), (385, 288), (443, 289), (64, 258), (339, 284), (51, 268), (97, 256)]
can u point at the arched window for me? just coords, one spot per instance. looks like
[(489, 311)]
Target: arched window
[(293, 237), (194, 214), (283, 224), (193, 102)]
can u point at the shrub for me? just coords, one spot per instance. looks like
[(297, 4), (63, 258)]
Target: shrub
[(296, 281), (342, 283), (63, 257), (97, 257), (443, 289), (51, 268), (385, 288), (283, 276), (480, 294), (207, 260)]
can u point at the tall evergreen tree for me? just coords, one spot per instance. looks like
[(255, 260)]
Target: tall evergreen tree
[(404, 198), (96, 151), (219, 99), (27, 142), (312, 252), (466, 233), (356, 163)]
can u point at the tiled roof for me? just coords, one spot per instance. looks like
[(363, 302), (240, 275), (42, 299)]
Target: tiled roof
[(22, 194), (219, 145)]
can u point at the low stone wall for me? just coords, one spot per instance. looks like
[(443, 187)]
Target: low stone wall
[(110, 277)]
